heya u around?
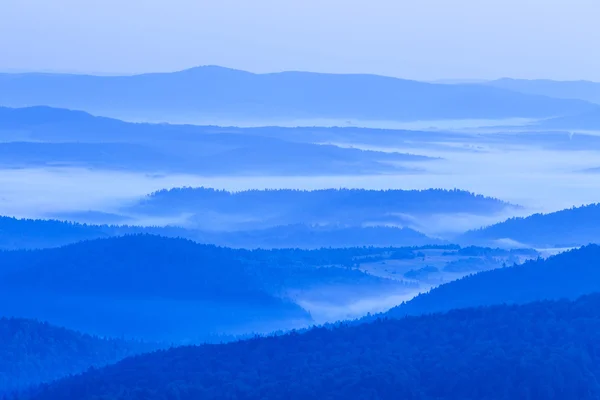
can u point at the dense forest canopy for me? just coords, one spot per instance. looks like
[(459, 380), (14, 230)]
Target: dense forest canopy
[(129, 284), (211, 209), (541, 350), (571, 227), (566, 275), (39, 233), (407, 200), (32, 352)]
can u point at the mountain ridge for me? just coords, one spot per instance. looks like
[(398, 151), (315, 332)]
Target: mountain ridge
[(221, 92)]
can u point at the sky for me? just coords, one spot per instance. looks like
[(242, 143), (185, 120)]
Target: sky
[(414, 39)]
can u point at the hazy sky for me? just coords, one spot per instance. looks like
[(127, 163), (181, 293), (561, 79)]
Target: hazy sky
[(419, 39)]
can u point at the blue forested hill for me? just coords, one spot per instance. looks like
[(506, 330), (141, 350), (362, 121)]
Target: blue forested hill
[(405, 200), (172, 289), (571, 227), (566, 275), (33, 352), (349, 207), (541, 350), (38, 233)]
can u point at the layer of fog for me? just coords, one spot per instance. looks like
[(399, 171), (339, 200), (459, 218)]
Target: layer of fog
[(323, 312), (539, 180)]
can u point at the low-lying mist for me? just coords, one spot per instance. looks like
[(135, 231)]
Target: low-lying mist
[(540, 181)]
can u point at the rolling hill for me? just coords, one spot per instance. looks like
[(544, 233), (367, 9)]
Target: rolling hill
[(566, 228), (45, 137), (210, 92), (208, 208), (175, 290), (582, 90), (18, 234), (567, 275), (33, 352), (542, 350)]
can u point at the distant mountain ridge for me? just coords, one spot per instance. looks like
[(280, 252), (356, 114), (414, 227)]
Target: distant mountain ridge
[(216, 92), (43, 136), (582, 90)]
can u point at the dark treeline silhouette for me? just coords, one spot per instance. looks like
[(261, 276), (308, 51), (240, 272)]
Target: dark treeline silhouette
[(33, 352), (542, 350), (566, 275), (354, 207), (491, 252), (37, 233), (16, 233), (407, 200), (566, 228)]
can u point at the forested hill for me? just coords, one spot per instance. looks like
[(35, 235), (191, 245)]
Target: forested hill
[(32, 352), (328, 206), (542, 350), (38, 233), (18, 233), (142, 286), (566, 275), (175, 290), (133, 265), (565, 228), (148, 265)]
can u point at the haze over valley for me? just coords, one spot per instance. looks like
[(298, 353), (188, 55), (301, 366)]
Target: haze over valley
[(212, 232)]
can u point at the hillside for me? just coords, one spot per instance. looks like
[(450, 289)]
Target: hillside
[(582, 90), (209, 93), (50, 137), (336, 207), (566, 228), (173, 289), (143, 287), (18, 234), (33, 352), (38, 233), (545, 350), (566, 275), (314, 237)]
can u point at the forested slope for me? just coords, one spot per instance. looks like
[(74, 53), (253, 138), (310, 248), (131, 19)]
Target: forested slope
[(542, 350)]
